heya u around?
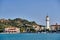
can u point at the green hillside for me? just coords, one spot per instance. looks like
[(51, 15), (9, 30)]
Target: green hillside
[(18, 22)]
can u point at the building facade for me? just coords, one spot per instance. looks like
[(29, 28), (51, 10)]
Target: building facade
[(12, 30), (55, 27)]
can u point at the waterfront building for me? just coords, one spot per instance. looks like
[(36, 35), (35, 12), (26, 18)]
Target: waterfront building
[(42, 27), (55, 27), (12, 30)]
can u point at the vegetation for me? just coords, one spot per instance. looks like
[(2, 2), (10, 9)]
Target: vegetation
[(18, 22)]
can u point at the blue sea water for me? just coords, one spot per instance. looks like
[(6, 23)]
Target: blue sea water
[(30, 36)]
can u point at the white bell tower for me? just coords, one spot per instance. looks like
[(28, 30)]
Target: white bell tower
[(47, 22)]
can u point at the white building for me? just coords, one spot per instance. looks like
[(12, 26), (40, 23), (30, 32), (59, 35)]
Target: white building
[(47, 22), (36, 27), (12, 30)]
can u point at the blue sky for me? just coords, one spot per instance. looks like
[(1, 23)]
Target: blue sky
[(32, 10)]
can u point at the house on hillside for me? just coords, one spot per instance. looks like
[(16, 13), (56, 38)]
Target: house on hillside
[(36, 27), (39, 28)]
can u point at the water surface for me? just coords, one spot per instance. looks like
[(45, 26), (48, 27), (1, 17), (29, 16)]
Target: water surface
[(30, 36)]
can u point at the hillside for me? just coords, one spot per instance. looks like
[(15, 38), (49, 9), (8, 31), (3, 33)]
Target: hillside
[(18, 22)]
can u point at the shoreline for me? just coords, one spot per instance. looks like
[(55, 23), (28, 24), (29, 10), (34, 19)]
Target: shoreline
[(34, 33)]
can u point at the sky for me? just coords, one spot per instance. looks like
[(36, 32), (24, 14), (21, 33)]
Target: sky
[(32, 10)]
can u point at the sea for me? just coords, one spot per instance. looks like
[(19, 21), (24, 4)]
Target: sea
[(30, 36)]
